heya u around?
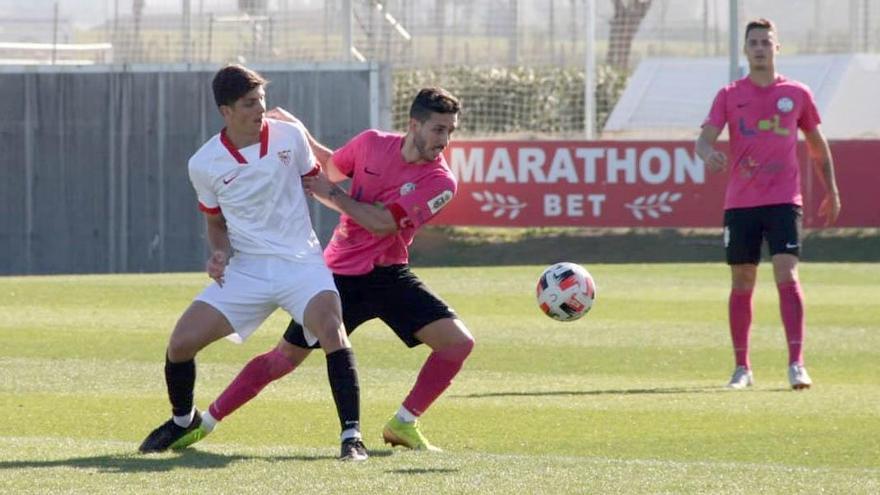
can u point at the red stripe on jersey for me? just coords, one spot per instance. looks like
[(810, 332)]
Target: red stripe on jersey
[(314, 171), (264, 138), (209, 211), (401, 219), (233, 150)]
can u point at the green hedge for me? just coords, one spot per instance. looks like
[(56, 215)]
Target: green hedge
[(539, 100)]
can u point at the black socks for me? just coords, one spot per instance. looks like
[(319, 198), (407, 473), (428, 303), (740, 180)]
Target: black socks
[(181, 380), (342, 372)]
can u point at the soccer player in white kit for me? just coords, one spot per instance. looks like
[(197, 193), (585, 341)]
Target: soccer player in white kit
[(265, 255)]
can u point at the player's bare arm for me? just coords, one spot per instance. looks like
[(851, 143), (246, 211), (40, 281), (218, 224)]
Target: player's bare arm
[(820, 155), (218, 240), (715, 160), (321, 152), (375, 218)]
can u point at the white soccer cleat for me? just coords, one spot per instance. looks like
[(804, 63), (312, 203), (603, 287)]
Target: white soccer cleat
[(742, 378), (798, 377)]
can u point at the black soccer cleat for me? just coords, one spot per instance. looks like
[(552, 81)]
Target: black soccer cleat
[(353, 450), (170, 436)]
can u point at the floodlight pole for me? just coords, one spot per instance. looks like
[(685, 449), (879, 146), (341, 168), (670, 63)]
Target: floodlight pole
[(733, 49), (590, 69), (347, 40), (54, 32), (186, 21)]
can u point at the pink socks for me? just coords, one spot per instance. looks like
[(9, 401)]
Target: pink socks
[(740, 314), (791, 306), (258, 373), (436, 376)]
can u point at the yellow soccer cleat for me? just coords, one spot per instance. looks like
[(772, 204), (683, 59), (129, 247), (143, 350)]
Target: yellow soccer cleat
[(408, 435)]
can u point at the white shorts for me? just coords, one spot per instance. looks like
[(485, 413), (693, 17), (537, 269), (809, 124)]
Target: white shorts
[(255, 286)]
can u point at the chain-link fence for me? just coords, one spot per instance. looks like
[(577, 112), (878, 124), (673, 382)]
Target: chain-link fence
[(520, 64)]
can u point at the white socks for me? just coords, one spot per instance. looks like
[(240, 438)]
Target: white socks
[(184, 421), (350, 433), (208, 422), (404, 415)]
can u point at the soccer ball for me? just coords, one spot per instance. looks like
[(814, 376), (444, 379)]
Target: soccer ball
[(566, 291)]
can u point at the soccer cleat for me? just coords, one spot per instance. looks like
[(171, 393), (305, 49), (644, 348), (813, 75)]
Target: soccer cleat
[(353, 450), (742, 378), (190, 437), (170, 436), (798, 377), (397, 432)]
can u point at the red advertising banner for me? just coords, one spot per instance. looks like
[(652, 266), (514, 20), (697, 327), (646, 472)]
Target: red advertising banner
[(628, 184)]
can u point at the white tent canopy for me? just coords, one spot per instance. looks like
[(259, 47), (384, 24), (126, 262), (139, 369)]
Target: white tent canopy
[(668, 98)]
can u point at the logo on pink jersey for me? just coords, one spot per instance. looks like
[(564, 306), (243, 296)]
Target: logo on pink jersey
[(407, 188), (785, 104), (439, 201)]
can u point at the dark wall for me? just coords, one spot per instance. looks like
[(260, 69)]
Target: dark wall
[(93, 175)]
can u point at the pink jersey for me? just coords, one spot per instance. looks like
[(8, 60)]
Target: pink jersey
[(413, 192), (763, 124)]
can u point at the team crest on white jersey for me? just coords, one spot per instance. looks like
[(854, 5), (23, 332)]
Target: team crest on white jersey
[(407, 188), (439, 201), (284, 157), (785, 104)]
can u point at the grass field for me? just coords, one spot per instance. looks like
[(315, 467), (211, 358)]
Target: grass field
[(627, 400)]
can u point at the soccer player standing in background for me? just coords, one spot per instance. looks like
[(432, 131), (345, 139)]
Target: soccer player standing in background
[(398, 183), (265, 255), (763, 112)]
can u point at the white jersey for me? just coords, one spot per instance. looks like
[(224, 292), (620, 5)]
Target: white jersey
[(259, 191)]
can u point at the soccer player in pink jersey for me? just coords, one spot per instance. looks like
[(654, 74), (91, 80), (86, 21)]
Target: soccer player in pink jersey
[(265, 255), (763, 112), (398, 183)]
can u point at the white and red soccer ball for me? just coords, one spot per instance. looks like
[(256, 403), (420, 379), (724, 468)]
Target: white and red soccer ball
[(566, 291)]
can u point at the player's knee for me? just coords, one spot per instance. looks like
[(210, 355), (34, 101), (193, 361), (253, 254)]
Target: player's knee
[(178, 350), (459, 350), (468, 345), (329, 329), (330, 323), (291, 354), (744, 277)]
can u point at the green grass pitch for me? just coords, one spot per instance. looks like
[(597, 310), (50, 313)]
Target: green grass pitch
[(627, 400)]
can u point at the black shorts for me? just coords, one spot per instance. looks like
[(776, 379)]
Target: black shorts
[(746, 228), (391, 293)]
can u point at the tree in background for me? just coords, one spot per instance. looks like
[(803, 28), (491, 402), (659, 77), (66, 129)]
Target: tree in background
[(253, 7), (628, 14)]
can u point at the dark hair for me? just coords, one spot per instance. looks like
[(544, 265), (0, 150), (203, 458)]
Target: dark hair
[(433, 100), (234, 81), (760, 23)]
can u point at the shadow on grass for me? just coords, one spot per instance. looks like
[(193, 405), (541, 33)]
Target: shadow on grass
[(421, 471), (631, 391), (494, 246), (135, 463)]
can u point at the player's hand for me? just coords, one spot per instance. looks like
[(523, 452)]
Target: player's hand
[(216, 266), (830, 208), (716, 162), (279, 113), (318, 185)]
